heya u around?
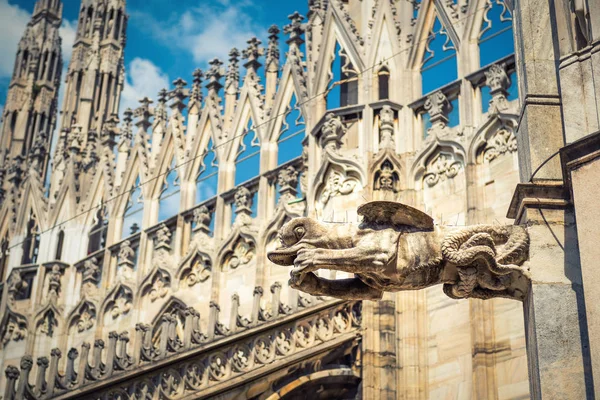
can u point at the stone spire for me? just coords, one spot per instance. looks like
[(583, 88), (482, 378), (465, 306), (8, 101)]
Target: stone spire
[(252, 53), (295, 29), (30, 109), (96, 73), (232, 82), (272, 66), (214, 75)]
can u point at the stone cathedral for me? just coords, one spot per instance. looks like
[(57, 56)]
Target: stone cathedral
[(133, 259)]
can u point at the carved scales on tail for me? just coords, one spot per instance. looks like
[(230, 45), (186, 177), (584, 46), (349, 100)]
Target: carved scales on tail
[(487, 260)]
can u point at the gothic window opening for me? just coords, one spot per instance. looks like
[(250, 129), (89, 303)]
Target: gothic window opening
[(496, 36), (383, 81), (343, 81), (44, 63), (438, 67), (31, 244), (170, 194), (208, 176), (24, 62), (4, 254), (247, 161), (99, 231), (60, 241), (289, 143), (134, 211)]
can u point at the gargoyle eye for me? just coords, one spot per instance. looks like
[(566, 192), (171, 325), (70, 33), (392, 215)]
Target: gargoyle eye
[(299, 231)]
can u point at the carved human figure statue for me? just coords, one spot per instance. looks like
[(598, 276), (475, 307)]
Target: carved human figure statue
[(397, 247)]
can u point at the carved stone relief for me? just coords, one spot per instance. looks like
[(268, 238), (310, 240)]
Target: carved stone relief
[(498, 82), (440, 168), (199, 271), (121, 302), (16, 286), (158, 286), (86, 318), (386, 178), (386, 128), (332, 132), (243, 253), (502, 142), (14, 328), (48, 324), (337, 184)]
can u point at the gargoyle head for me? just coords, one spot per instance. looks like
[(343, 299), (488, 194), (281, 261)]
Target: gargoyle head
[(298, 234)]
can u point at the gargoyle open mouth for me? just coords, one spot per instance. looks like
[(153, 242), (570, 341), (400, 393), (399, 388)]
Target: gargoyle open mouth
[(283, 256)]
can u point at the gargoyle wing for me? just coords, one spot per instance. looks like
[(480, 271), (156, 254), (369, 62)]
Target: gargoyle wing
[(388, 213)]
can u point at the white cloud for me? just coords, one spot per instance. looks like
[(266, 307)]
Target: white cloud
[(207, 32), (13, 20), (142, 79), (67, 32)]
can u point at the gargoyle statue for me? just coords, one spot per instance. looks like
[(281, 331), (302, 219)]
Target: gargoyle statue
[(397, 247)]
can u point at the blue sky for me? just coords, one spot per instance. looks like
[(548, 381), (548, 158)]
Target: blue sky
[(165, 40)]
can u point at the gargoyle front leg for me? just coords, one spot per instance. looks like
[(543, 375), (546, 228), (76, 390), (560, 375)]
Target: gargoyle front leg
[(355, 259), (346, 289)]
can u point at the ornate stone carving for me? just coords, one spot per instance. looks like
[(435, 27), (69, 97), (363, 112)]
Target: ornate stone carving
[(397, 247), (16, 286), (337, 184), (386, 178), (295, 29), (440, 168), (54, 282), (233, 70), (14, 327), (498, 82), (502, 142), (158, 285), (47, 325), (287, 179), (214, 74), (243, 253), (121, 301), (91, 271), (199, 271), (439, 107), (252, 53), (386, 128), (243, 200), (87, 317), (331, 133), (126, 255), (196, 95), (273, 48), (162, 238)]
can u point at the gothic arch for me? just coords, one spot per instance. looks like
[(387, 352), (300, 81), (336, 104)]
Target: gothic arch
[(119, 302), (334, 31), (484, 138), (432, 150), (243, 115), (84, 316)]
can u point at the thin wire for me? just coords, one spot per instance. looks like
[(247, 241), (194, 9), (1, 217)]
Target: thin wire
[(340, 82), (542, 164)]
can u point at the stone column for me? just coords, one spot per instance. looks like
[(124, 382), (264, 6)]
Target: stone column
[(581, 162), (379, 349), (539, 133), (554, 310)]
